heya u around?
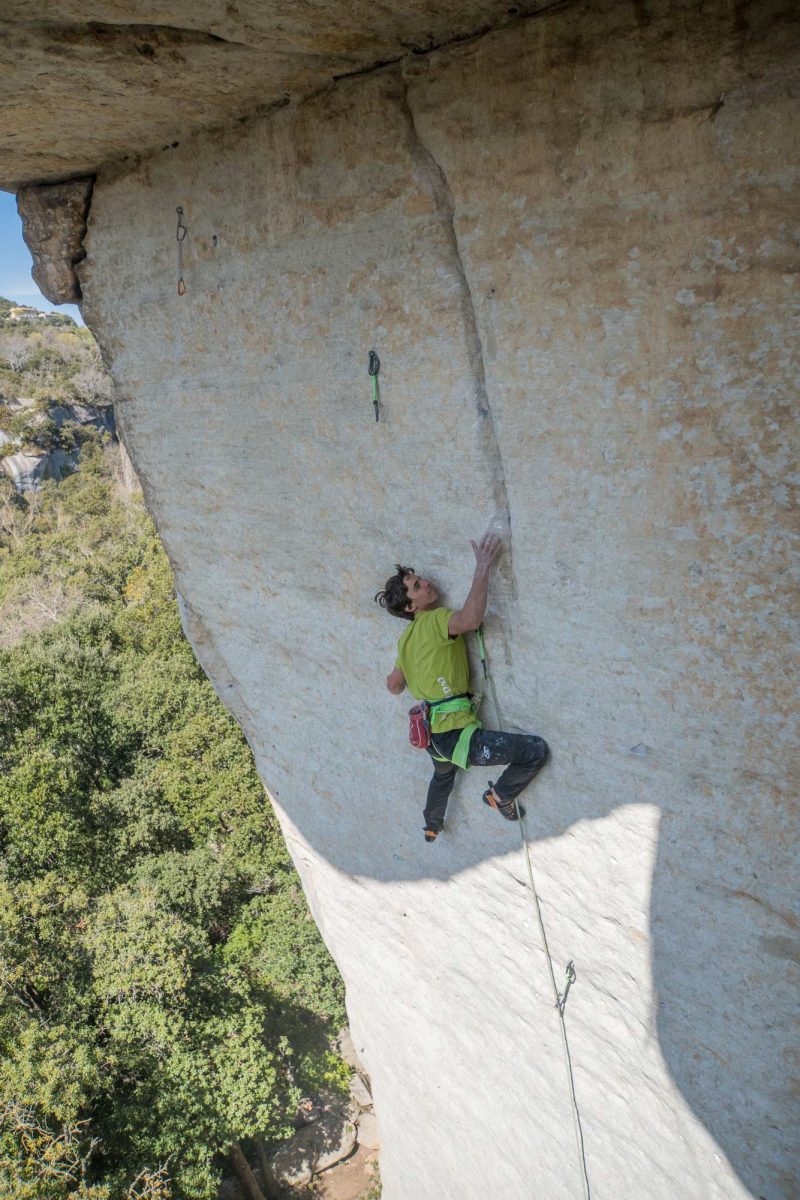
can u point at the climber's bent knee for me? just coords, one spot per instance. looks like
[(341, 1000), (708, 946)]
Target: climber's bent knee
[(540, 751)]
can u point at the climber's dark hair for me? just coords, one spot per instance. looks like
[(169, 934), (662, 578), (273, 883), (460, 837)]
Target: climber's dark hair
[(394, 597)]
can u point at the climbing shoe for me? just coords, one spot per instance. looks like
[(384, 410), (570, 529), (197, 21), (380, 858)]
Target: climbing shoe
[(431, 834), (506, 808)]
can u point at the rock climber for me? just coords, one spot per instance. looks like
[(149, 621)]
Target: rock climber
[(432, 661)]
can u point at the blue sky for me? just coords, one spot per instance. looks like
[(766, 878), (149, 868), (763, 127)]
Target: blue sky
[(15, 264)]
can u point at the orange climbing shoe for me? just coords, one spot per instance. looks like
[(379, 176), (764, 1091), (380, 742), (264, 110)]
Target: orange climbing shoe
[(431, 834), (506, 808)]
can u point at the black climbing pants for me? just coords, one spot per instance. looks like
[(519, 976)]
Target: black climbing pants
[(525, 754)]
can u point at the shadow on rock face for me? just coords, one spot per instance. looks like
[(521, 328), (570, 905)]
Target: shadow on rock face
[(718, 951), (725, 987)]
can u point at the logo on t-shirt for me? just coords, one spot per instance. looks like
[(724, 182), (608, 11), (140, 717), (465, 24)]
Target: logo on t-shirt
[(445, 686)]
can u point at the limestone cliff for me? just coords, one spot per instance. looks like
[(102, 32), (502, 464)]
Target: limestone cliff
[(570, 242)]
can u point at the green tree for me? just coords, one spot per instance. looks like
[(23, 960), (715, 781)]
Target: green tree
[(163, 992)]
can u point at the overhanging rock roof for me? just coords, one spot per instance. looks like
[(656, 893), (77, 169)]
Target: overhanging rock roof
[(89, 82)]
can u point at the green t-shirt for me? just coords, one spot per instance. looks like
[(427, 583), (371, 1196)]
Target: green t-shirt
[(435, 665)]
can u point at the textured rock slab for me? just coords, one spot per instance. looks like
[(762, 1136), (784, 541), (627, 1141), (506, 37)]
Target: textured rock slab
[(360, 1092), (26, 471), (54, 223), (79, 88), (575, 264), (633, 303), (368, 1133)]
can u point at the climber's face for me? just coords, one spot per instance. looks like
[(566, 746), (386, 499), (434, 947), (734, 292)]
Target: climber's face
[(421, 593)]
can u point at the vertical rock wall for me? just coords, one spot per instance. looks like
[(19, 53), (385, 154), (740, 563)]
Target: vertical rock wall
[(570, 244)]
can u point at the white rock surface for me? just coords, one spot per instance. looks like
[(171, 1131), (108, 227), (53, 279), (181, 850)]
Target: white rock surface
[(360, 1092), (569, 243), (26, 471), (368, 1134)]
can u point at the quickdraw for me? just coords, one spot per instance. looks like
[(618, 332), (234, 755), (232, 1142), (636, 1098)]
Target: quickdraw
[(180, 237), (374, 366), (561, 1003)]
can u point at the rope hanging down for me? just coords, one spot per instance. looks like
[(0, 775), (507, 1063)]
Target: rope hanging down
[(560, 997)]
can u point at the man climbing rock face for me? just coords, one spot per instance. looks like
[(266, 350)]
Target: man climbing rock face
[(432, 661)]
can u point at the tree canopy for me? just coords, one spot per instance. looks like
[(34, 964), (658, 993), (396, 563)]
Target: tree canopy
[(164, 991)]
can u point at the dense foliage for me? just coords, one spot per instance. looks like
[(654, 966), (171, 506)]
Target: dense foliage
[(45, 363), (163, 991)]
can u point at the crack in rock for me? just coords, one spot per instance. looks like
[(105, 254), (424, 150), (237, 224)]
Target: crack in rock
[(433, 172)]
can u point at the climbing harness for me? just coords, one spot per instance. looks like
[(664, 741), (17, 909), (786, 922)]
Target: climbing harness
[(459, 755), (180, 237), (420, 732), (374, 367), (560, 996)]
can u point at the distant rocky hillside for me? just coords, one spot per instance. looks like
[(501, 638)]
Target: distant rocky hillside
[(54, 392)]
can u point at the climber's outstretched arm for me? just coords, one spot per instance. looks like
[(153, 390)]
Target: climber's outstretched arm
[(396, 682), (474, 610)]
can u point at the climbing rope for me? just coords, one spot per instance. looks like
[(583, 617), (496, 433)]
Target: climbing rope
[(560, 997)]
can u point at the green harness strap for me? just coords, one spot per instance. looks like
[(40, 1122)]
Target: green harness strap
[(457, 704), (461, 749)]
